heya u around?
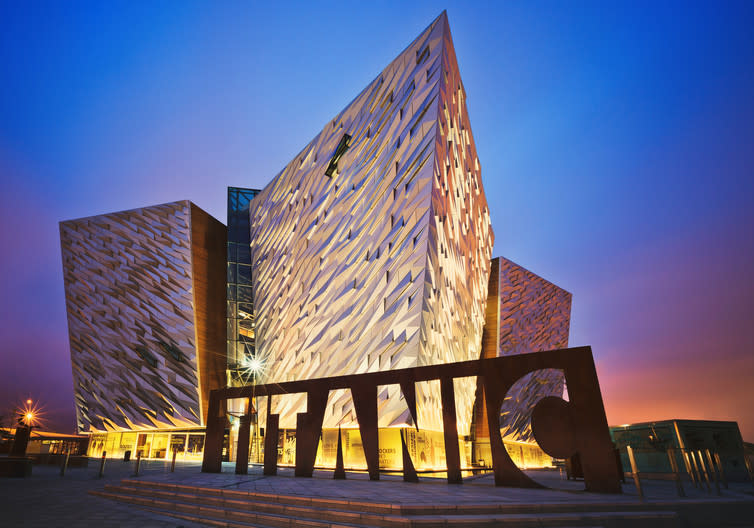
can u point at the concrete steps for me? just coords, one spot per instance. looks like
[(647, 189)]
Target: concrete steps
[(233, 508)]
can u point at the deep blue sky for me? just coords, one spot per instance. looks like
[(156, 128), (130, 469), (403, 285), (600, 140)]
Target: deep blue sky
[(616, 142)]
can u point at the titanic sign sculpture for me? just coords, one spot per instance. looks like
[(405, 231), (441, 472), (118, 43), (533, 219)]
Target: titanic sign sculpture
[(561, 428)]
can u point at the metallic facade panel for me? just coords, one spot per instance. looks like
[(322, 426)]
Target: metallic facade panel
[(383, 264), (458, 264), (130, 299), (534, 315)]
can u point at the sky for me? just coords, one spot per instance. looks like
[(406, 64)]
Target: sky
[(616, 141)]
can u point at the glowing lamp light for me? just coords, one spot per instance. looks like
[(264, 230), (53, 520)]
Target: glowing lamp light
[(30, 414), (253, 364), (251, 368)]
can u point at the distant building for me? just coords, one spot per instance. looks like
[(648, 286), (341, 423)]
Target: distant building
[(46, 442), (651, 441)]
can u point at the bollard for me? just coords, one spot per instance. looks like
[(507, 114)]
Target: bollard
[(65, 465), (703, 470), (750, 469), (697, 470), (138, 463), (690, 467), (635, 472), (102, 464), (172, 465), (719, 464), (676, 473), (712, 469)]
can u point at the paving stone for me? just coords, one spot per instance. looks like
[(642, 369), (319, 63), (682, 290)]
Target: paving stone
[(46, 499)]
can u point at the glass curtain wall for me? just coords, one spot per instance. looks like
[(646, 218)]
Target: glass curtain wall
[(188, 444), (240, 300)]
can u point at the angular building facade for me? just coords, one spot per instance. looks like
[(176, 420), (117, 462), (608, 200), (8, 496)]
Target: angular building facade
[(371, 248), (143, 291), (370, 251), (525, 313)]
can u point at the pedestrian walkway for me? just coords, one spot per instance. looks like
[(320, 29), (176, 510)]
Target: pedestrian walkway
[(47, 499), (474, 490)]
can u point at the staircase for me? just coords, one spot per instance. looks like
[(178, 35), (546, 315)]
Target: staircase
[(242, 509)]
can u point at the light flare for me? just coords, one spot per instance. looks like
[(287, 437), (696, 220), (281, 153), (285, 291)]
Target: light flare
[(252, 368), (30, 413)]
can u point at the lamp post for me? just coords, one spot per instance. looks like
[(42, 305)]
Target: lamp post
[(26, 417), (253, 366)]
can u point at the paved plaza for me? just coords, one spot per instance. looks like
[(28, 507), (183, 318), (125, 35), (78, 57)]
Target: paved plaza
[(47, 499)]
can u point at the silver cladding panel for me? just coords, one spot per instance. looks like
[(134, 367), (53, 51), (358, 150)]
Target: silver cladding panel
[(384, 265), (128, 284), (534, 316)]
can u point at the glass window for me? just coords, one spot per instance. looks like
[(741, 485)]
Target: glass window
[(244, 253), (244, 274), (195, 444), (244, 294), (159, 446), (128, 441), (143, 444), (112, 443), (178, 443)]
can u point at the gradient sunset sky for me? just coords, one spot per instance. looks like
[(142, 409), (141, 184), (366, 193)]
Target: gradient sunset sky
[(616, 143)]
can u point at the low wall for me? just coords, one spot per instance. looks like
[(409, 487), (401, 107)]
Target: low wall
[(18, 467)]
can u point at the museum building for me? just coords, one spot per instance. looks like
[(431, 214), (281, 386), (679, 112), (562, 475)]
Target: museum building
[(370, 251)]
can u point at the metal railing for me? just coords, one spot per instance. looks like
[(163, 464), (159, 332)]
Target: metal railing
[(703, 466)]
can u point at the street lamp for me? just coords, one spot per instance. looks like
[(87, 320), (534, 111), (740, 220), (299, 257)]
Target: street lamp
[(27, 417), (28, 414), (252, 367)]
